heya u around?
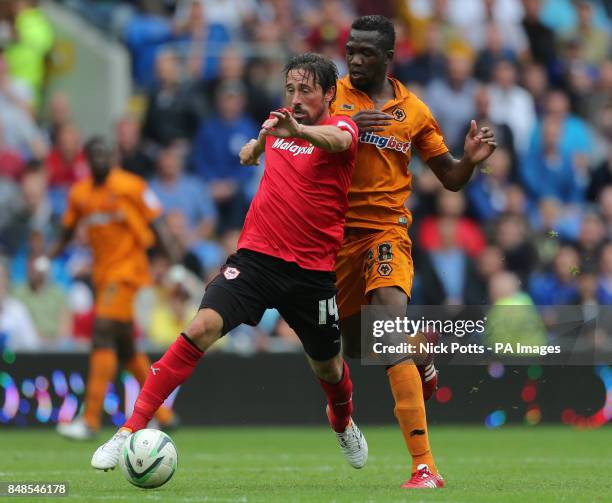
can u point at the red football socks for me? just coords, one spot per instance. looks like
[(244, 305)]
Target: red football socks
[(170, 371), (340, 401)]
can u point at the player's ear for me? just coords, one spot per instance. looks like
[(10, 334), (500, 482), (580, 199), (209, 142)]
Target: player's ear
[(389, 55), (330, 95)]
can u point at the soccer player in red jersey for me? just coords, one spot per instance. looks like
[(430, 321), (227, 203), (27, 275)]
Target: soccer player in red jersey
[(285, 258)]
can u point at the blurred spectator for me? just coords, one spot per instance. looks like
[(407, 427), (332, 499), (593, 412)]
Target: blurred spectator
[(170, 112), (422, 14), (604, 287), (331, 25), (66, 162), (517, 203), (507, 30), (575, 137), (20, 130), (17, 330), (459, 89), (487, 190), (520, 256), (184, 193), (513, 318), (184, 241), (32, 43), (493, 51), (591, 239), (562, 15), (554, 222), (477, 12), (559, 285), (551, 163), (215, 154), (11, 211), (11, 162), (131, 154), (594, 41), (173, 306), (535, 80), (233, 15), (600, 95), (468, 237), (232, 68), (46, 303), (430, 63), (511, 104), (605, 204), (505, 289), (490, 262), (59, 115), (40, 214), (200, 37), (541, 38), (447, 274)]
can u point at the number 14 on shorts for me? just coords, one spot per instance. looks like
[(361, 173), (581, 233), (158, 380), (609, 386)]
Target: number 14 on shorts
[(328, 308)]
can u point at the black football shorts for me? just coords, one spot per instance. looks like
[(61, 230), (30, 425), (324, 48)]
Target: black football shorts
[(251, 282)]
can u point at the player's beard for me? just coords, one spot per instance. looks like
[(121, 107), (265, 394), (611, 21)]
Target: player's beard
[(307, 119)]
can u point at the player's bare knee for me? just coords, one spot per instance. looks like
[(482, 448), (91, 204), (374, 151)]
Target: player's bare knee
[(205, 328), (328, 370)]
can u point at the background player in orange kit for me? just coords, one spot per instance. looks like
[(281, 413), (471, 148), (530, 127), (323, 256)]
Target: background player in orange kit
[(374, 265), (118, 209)]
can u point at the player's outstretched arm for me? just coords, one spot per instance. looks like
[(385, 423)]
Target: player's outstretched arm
[(453, 173), (252, 150), (65, 238), (330, 138)]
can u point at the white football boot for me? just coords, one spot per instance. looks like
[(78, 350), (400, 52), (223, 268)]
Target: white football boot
[(107, 455), (352, 444), (76, 430)]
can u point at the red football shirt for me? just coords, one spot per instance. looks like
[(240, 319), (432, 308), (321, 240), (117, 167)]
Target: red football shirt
[(298, 212)]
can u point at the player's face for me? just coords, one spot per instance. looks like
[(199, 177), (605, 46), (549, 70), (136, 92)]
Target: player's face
[(305, 98), (367, 62), (99, 159)]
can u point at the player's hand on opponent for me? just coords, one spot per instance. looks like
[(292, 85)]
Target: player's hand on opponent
[(479, 144), (282, 125), (372, 121), (249, 154)]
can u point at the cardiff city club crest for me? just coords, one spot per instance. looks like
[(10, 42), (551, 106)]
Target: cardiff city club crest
[(231, 273)]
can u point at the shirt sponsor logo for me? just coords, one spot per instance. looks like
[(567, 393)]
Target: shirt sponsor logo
[(101, 218), (290, 146), (381, 142)]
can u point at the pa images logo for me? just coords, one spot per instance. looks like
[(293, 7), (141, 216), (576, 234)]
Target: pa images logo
[(384, 269), (399, 114)]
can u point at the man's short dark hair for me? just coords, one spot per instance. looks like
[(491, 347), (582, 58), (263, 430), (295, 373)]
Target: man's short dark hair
[(323, 69), (94, 141), (380, 24)]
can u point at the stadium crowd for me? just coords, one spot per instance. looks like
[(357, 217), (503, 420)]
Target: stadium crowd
[(533, 225)]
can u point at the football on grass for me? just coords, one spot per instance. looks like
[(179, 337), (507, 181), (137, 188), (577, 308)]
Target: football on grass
[(148, 459)]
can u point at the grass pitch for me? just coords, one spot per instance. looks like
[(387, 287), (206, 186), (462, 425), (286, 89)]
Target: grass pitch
[(243, 465)]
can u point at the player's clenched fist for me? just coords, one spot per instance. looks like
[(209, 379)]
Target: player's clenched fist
[(249, 153)]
